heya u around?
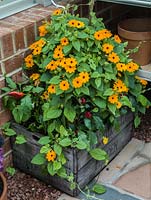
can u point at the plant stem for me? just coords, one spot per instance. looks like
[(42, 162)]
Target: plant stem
[(91, 6)]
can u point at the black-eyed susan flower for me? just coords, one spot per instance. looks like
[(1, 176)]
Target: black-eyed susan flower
[(51, 155), (80, 24), (51, 89), (45, 95), (37, 51), (42, 30), (113, 57), (29, 61), (142, 81), (71, 61), (70, 69), (102, 34), (64, 85), (77, 82), (57, 12), (52, 65), (84, 76), (119, 86), (121, 67), (107, 48), (72, 23), (35, 76), (117, 39), (118, 105), (113, 98), (64, 41), (132, 67)]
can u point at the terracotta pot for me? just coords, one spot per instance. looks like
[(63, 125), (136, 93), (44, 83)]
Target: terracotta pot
[(137, 31), (4, 193)]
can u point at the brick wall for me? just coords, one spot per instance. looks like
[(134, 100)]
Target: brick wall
[(17, 32)]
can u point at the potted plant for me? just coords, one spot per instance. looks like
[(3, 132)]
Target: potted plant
[(3, 184), (80, 91)]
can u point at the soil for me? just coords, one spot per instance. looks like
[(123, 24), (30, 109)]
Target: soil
[(24, 187)]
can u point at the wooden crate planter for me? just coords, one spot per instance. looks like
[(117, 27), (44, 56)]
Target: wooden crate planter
[(79, 162)]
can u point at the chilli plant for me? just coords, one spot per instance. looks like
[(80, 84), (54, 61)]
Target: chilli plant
[(79, 78)]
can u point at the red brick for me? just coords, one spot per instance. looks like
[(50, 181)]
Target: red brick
[(5, 116), (8, 160), (18, 77), (6, 146), (7, 45), (2, 84), (13, 63), (30, 34), (19, 39)]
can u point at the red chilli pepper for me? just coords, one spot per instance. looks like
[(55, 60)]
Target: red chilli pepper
[(16, 95)]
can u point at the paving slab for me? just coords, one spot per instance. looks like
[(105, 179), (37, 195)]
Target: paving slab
[(137, 181), (112, 171), (146, 152)]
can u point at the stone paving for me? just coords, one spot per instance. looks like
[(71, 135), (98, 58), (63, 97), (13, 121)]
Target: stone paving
[(128, 175)]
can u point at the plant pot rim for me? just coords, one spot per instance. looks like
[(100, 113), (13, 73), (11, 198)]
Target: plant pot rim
[(3, 196), (135, 29)]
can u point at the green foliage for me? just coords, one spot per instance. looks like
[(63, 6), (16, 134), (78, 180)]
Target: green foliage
[(11, 171), (78, 78)]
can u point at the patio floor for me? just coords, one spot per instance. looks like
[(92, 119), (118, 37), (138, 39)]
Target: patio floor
[(128, 176)]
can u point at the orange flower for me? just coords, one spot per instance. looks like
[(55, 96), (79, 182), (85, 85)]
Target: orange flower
[(64, 85), (84, 77), (72, 23), (121, 67), (45, 95), (42, 30), (102, 34), (37, 51), (132, 67), (57, 12), (142, 81), (107, 48), (64, 41), (113, 98), (117, 39), (113, 57), (119, 86), (77, 82), (70, 69), (118, 105), (51, 155), (35, 76), (51, 89), (29, 61), (71, 61), (52, 65)]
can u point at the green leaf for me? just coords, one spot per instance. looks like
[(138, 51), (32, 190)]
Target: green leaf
[(108, 92), (63, 131), (37, 89), (99, 189), (70, 113), (62, 172), (112, 108), (98, 82), (51, 113), (38, 159), (55, 80), (56, 165), (20, 139), (44, 140), (95, 75), (67, 49), (81, 145), (45, 77), (85, 90), (143, 100), (101, 103), (65, 142), (126, 102), (82, 35), (51, 127), (6, 89), (11, 171), (76, 44), (58, 149), (50, 169), (9, 132), (11, 83), (98, 154), (45, 149), (137, 121)]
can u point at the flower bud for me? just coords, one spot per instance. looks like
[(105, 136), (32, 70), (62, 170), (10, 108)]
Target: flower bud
[(83, 100), (88, 115)]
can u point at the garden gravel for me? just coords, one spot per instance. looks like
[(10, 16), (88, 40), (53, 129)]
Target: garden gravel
[(24, 187)]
